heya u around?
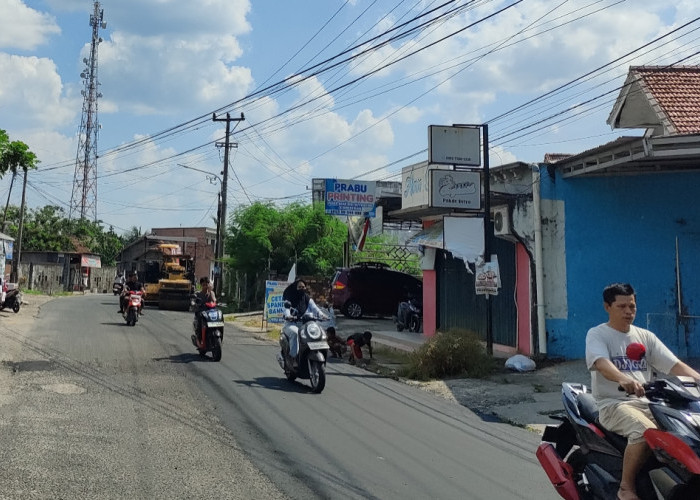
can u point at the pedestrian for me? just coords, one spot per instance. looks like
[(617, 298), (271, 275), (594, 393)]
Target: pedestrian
[(338, 346), (356, 342), (606, 358)]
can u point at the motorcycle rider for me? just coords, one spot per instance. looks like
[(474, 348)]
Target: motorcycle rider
[(205, 294), (132, 285), (299, 299), (610, 367)]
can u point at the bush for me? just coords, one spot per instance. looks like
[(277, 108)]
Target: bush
[(449, 354)]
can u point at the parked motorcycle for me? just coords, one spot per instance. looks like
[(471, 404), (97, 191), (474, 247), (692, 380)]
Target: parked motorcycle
[(584, 461), (208, 326), (312, 349), (13, 300), (409, 316), (134, 303)]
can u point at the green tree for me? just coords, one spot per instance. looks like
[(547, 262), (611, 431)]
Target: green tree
[(263, 237)]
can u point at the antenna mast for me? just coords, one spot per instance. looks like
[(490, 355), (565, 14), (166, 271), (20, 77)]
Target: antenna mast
[(83, 202)]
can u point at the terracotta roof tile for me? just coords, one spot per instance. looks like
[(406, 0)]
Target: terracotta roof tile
[(555, 157), (677, 91)]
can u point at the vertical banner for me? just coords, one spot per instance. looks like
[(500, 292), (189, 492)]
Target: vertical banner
[(274, 305)]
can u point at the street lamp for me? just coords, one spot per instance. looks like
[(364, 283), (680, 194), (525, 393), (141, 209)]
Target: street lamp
[(218, 249)]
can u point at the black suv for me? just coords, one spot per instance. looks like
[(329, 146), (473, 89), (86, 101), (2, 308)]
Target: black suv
[(372, 288)]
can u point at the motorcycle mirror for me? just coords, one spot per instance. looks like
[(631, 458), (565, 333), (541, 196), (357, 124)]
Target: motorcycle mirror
[(287, 304), (636, 351)]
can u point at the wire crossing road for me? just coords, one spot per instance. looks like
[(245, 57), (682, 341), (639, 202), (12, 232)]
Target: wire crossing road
[(91, 408)]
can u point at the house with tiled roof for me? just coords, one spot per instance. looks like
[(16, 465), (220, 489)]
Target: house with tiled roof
[(627, 211)]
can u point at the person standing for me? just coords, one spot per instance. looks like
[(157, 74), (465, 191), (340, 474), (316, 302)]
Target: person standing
[(606, 358)]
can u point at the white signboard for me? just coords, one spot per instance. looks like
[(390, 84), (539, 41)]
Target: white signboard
[(349, 197), (487, 280), (415, 184), (455, 189), (454, 145)]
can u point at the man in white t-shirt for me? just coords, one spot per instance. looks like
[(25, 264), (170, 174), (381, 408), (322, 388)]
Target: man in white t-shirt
[(606, 358)]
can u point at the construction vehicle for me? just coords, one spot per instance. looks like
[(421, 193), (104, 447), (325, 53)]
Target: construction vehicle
[(169, 280)]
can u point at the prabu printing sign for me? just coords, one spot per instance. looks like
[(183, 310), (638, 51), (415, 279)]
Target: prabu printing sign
[(350, 197)]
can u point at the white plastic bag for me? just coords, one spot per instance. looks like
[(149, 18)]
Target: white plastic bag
[(520, 363)]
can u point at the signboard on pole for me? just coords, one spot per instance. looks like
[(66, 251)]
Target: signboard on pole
[(274, 305), (455, 145), (455, 189), (350, 197)]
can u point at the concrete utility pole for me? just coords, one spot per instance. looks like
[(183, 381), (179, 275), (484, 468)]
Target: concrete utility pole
[(218, 278)]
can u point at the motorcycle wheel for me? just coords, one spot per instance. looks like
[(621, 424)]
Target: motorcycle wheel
[(131, 318), (399, 327), (15, 307), (216, 348), (317, 375), (414, 324)]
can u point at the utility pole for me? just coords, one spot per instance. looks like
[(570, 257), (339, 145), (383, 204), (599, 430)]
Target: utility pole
[(222, 216), (18, 251)]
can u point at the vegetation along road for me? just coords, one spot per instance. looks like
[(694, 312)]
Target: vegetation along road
[(91, 408)]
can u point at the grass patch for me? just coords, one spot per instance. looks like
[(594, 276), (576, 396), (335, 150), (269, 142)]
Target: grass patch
[(450, 354), (58, 293)]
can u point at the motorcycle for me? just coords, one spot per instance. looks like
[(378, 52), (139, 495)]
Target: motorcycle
[(583, 460), (13, 300), (409, 316), (208, 326), (117, 287), (312, 351), (131, 311)]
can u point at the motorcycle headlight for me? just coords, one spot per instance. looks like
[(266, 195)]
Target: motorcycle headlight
[(314, 331), (214, 315)]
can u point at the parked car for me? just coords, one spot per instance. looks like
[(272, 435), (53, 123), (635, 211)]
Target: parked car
[(372, 288)]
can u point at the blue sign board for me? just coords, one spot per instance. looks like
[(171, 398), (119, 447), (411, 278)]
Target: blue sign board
[(350, 197)]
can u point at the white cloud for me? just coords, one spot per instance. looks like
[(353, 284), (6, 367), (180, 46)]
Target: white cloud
[(24, 28), (31, 94)]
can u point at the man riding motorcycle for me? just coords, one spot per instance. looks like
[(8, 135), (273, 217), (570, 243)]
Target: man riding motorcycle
[(132, 285), (205, 295)]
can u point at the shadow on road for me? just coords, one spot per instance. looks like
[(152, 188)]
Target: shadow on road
[(276, 383), (185, 357)]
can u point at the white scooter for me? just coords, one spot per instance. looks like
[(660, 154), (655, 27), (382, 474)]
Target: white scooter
[(304, 349)]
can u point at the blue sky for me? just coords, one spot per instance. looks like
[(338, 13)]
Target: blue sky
[(326, 92)]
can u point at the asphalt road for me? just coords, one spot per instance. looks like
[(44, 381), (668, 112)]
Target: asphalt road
[(91, 408)]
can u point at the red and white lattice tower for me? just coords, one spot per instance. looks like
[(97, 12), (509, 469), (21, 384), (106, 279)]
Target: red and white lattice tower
[(83, 202)]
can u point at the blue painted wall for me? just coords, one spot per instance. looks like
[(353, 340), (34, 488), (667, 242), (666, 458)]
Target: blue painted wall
[(624, 229)]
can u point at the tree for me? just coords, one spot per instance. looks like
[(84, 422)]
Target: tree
[(13, 156), (263, 237)]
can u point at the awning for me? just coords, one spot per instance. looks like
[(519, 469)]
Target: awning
[(461, 236), (431, 236)]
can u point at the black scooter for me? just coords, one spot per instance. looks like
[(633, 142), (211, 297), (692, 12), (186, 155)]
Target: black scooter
[(13, 300), (409, 316)]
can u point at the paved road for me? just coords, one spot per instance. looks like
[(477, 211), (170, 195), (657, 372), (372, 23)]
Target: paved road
[(96, 409)]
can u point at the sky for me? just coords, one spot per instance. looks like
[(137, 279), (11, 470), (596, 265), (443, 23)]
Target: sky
[(340, 89)]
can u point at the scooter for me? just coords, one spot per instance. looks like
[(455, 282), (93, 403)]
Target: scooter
[(583, 460), (13, 300), (134, 303), (208, 326), (409, 316), (309, 361), (117, 287)]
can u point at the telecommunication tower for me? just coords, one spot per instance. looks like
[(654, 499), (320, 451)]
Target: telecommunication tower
[(83, 202)]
